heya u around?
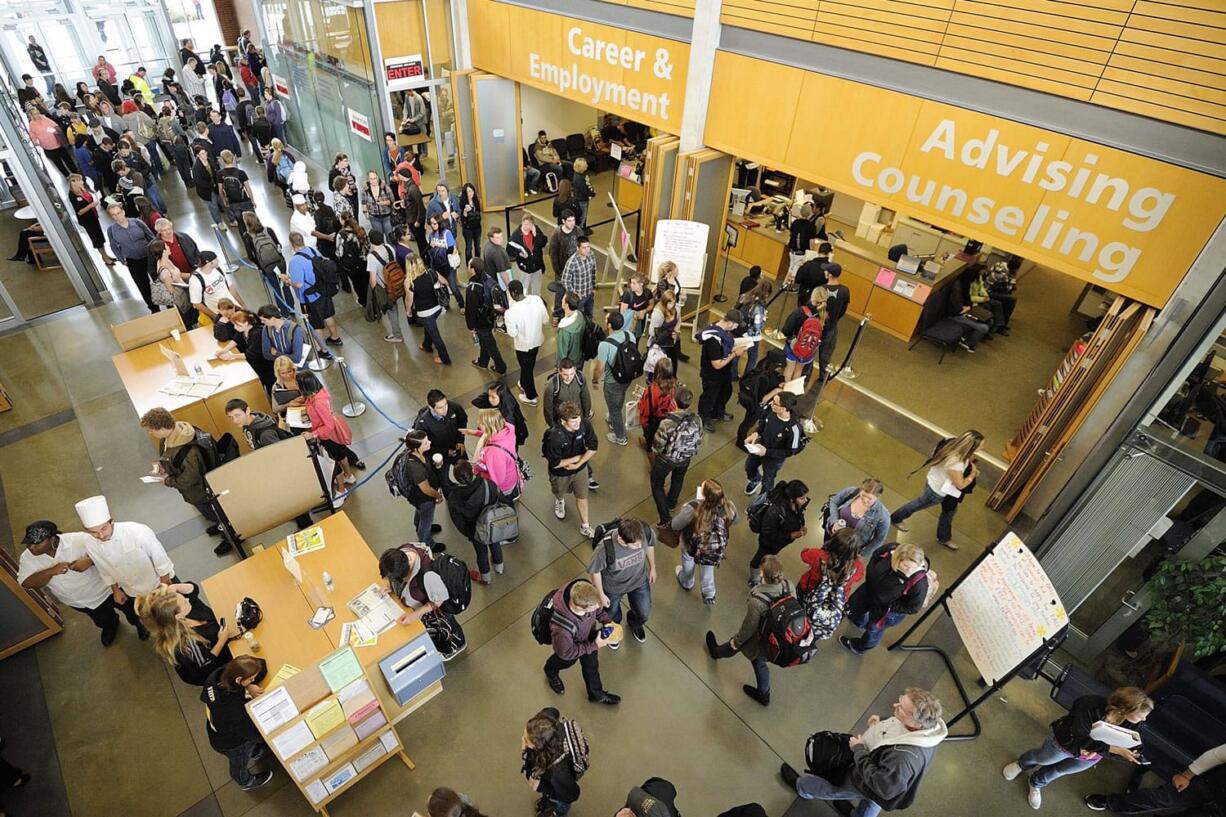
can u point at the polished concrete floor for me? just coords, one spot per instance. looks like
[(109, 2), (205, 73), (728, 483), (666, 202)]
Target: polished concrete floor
[(114, 731)]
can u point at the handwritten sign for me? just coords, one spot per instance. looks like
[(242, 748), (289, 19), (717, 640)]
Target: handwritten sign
[(685, 244), (1005, 609)]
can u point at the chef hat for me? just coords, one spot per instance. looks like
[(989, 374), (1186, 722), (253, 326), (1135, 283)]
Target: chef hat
[(93, 511)]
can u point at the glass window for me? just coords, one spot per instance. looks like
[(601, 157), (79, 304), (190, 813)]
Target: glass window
[(1193, 415)]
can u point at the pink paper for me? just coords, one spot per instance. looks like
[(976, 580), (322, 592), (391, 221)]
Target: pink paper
[(885, 277)]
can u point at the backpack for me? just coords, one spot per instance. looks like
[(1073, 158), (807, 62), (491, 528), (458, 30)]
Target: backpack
[(601, 533), (542, 617), (685, 440), (145, 130), (590, 342), (285, 166), (228, 100), (709, 550), (233, 187), (393, 277), (324, 271), (456, 579), (166, 129), (497, 522), (577, 747), (397, 477), (627, 361), (809, 338), (784, 633), (825, 603), (212, 452), (267, 254), (551, 182), (757, 511)]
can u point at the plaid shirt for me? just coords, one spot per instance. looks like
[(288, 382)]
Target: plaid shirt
[(579, 274)]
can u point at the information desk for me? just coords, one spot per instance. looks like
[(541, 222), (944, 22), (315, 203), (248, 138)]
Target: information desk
[(146, 370), (895, 299), (284, 635)]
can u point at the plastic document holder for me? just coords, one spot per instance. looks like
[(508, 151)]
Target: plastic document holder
[(412, 669)]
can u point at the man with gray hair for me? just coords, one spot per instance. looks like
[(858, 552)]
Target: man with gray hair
[(881, 768)]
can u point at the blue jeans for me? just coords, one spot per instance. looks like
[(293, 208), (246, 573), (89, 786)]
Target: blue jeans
[(765, 469), (433, 341), (382, 223), (532, 178), (155, 195), (812, 787), (762, 675), (615, 400), (978, 329), (706, 575), (586, 303), (560, 807), (240, 759), (640, 605), (927, 499), (1052, 762), (423, 520), (214, 209), (857, 614)]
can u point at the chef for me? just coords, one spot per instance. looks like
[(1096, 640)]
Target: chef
[(128, 555), (57, 562)]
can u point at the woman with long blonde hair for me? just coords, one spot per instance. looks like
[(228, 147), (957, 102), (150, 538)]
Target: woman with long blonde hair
[(705, 525), (952, 468), (184, 631)]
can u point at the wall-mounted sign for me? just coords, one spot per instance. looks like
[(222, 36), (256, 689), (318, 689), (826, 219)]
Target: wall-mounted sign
[(281, 86), (359, 124), (404, 72)]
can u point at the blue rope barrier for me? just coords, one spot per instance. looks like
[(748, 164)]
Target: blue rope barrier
[(371, 475), (375, 405)]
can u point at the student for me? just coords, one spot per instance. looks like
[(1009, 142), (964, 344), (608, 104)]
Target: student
[(571, 328), (753, 306), (563, 244), (470, 226), (320, 311), (579, 274), (803, 332), (383, 270), (657, 401), (527, 249), (257, 427), (664, 325), (654, 798), (185, 632), (181, 466), (377, 201), (413, 583), (128, 556), (952, 469), (332, 432), (674, 445), (282, 337), (58, 563), (565, 385), (623, 563), (1069, 749), (230, 729), (525, 320), (481, 316), (838, 298), (234, 188), (445, 422), (860, 510), (497, 395), (445, 802), (746, 641), (705, 526), (959, 311), (208, 286), (549, 762), (497, 259), (470, 494), (826, 585), (635, 302), (782, 522), (607, 372), (421, 300), (898, 583), (812, 273), (419, 481), (575, 631), (581, 185), (777, 437), (568, 446), (497, 454), (757, 391), (1203, 783), (717, 367), (883, 767)]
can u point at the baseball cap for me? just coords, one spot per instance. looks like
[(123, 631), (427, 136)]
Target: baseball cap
[(734, 316), (40, 531), (298, 198)]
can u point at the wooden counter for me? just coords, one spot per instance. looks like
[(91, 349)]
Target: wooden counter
[(284, 634), (627, 193), (145, 370)]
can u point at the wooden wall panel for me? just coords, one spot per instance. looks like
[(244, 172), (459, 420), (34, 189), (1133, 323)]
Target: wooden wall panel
[(790, 18)]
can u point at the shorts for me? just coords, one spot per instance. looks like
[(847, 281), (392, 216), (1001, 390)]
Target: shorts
[(575, 483), (319, 310), (793, 357)]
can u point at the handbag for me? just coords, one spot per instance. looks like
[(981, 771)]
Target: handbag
[(525, 470), (410, 129), (453, 258), (160, 294), (667, 536)]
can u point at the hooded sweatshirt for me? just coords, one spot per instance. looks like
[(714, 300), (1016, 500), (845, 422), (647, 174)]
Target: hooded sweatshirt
[(187, 477), (498, 459), (572, 634), (890, 764), (570, 337), (557, 391), (262, 431)]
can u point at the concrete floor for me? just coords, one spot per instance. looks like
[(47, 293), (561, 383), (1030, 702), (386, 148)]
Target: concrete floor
[(115, 732)]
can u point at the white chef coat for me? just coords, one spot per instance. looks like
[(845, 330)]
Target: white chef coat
[(304, 225), (133, 558), (85, 589)]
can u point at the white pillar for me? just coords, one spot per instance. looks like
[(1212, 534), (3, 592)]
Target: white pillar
[(704, 41), (463, 56)]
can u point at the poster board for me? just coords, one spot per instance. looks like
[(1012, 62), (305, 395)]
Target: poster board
[(243, 490), (1005, 609), (685, 244)]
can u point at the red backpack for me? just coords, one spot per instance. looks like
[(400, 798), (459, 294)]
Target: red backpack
[(809, 337)]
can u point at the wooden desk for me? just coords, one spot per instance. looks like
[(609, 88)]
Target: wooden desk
[(628, 194), (145, 370), (406, 141), (284, 635)]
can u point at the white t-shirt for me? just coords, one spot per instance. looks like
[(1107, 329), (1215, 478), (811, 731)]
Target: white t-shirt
[(209, 292), (436, 591), (938, 477), (85, 590), (376, 259), (525, 320), (304, 225)]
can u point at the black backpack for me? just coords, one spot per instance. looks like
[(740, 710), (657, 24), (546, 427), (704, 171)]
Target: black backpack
[(456, 579), (213, 452), (267, 253), (324, 269), (233, 187), (543, 616), (785, 633), (763, 503), (627, 361), (603, 530), (397, 477), (590, 342)]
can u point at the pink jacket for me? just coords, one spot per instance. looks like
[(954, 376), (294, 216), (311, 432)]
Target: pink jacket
[(498, 464), (323, 421), (45, 133)]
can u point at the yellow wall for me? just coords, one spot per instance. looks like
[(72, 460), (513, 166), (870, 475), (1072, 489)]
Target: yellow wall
[(506, 38), (816, 127), (400, 29)]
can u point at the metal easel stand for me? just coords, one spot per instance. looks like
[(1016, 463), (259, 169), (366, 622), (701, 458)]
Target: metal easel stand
[(720, 297), (227, 529), (354, 408), (969, 706), (325, 481)]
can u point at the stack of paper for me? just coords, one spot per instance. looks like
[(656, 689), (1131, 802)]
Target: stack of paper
[(296, 417), (308, 763), (358, 634), (273, 709), (324, 717), (286, 672), (377, 611), (372, 724), (339, 778), (359, 702), (340, 741), (293, 740), (340, 669), (364, 760)]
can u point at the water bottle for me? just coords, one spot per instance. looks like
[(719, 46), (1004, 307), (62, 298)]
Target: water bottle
[(252, 643), (327, 577)]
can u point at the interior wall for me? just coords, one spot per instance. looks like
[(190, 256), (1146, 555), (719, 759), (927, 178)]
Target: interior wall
[(556, 115)]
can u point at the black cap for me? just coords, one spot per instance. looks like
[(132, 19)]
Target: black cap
[(40, 531), (206, 256)]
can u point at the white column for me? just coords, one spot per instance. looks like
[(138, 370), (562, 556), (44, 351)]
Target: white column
[(704, 41), (462, 53)]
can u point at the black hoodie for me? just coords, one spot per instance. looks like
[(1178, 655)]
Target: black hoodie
[(263, 431)]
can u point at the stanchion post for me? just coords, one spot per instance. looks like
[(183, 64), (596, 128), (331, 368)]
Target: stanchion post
[(227, 252), (325, 482), (720, 297), (316, 363), (354, 408)]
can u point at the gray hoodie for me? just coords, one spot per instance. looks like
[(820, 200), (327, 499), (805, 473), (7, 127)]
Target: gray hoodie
[(889, 765)]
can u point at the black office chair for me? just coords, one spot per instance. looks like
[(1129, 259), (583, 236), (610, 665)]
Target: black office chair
[(560, 146), (944, 333), (576, 147)]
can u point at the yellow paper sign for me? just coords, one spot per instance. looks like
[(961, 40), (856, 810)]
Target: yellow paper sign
[(324, 717)]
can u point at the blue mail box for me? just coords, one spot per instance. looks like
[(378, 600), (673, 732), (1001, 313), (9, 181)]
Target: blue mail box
[(410, 670)]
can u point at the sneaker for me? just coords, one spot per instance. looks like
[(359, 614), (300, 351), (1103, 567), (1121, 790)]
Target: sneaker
[(851, 648), (436, 529), (559, 508), (1011, 771), (222, 549), (789, 775), (1095, 802), (963, 344), (763, 698), (709, 601), (613, 438), (677, 573), (615, 647), (500, 567), (350, 479), (587, 530), (525, 399), (1034, 796), (258, 780), (607, 698), (708, 426), (639, 633), (324, 354), (448, 656), (592, 484), (752, 487), (334, 341), (555, 683), (213, 530), (477, 578), (950, 545), (392, 339)]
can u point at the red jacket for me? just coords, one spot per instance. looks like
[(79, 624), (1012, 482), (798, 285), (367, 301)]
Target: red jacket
[(655, 406), (246, 75), (817, 558)]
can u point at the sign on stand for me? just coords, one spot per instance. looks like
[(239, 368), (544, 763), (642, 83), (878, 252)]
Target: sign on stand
[(404, 72)]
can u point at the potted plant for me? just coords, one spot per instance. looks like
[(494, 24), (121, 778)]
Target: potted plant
[(1187, 598)]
